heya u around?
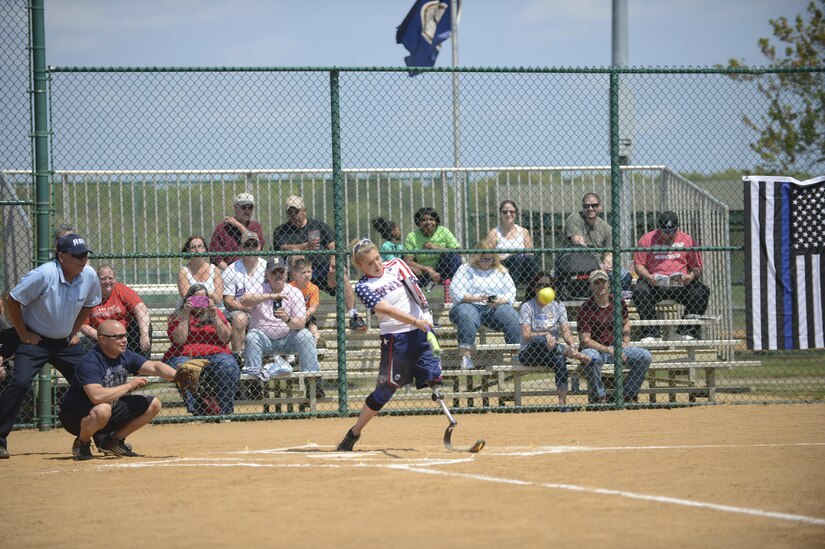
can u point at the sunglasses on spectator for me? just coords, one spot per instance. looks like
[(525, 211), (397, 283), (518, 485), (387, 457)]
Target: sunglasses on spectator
[(250, 244), (247, 207), (80, 257), (360, 245), (590, 206), (113, 336)]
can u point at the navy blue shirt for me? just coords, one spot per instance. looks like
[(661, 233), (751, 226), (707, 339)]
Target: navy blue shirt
[(98, 368)]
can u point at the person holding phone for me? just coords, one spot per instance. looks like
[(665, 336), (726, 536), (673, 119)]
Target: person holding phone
[(198, 329), (483, 293), (278, 324)]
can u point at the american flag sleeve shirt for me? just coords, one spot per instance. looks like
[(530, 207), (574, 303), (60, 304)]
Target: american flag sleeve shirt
[(389, 287)]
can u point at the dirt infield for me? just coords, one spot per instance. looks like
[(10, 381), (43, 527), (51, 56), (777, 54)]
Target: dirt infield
[(724, 475)]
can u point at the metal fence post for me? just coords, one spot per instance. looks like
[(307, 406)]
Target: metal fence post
[(340, 244), (40, 143), (616, 200)]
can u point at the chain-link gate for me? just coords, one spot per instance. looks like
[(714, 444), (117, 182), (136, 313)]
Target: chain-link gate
[(222, 207)]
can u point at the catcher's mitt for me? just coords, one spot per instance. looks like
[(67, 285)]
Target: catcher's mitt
[(189, 373)]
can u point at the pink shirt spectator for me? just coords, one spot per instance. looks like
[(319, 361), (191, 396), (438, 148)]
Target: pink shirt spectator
[(262, 316), (676, 259)]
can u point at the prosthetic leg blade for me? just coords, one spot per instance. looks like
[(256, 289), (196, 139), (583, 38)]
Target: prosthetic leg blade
[(448, 443)]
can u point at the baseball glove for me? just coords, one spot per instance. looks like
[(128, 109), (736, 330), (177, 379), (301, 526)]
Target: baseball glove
[(189, 374)]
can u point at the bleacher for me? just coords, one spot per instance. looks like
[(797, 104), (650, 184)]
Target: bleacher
[(682, 370)]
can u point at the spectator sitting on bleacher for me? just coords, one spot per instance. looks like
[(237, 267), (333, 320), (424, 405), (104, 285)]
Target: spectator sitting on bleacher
[(432, 269), (278, 325), (198, 270), (229, 234), (303, 233), (542, 328), (595, 322), (392, 247), (586, 228), (197, 329), (120, 303), (483, 294), (669, 274), (301, 275), (507, 235), (245, 276)]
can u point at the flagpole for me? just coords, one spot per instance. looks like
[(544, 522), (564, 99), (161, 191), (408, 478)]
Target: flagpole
[(456, 115)]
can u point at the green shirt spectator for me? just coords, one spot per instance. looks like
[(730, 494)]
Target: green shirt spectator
[(441, 238)]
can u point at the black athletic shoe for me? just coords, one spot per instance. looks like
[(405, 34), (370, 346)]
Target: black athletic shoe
[(348, 442), (82, 451), (99, 438), (116, 447), (4, 453), (356, 324)]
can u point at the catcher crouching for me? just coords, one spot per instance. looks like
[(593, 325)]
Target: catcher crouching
[(99, 404)]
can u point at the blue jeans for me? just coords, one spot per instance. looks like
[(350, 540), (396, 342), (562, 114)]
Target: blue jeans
[(469, 317), (637, 360), (537, 353), (301, 343), (220, 379)]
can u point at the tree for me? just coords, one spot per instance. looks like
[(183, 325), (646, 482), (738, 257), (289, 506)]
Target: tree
[(791, 134)]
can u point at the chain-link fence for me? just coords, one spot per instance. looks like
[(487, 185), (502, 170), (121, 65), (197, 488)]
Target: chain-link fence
[(222, 207)]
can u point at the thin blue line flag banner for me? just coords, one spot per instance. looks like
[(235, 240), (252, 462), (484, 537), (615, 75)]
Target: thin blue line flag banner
[(784, 262), (423, 30)]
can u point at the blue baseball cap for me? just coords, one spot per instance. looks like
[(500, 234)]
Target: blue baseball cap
[(72, 244)]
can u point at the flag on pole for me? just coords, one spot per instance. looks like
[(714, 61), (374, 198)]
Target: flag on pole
[(423, 30), (784, 262)]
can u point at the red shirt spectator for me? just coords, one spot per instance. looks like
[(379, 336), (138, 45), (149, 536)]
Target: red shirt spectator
[(203, 340), (676, 259), (598, 321), (229, 234)]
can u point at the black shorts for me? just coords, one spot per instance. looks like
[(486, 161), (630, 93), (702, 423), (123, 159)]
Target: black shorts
[(126, 409)]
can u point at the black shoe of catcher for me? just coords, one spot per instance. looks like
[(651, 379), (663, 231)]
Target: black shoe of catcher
[(82, 451), (348, 442), (116, 447)]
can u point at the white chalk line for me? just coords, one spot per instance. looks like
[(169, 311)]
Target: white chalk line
[(621, 493), (544, 450), (421, 465)]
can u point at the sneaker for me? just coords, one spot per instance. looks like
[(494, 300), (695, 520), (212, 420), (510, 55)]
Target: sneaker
[(683, 337), (356, 324), (4, 453), (467, 363), (627, 295), (648, 340), (292, 360), (82, 451), (348, 442), (116, 447), (100, 437)]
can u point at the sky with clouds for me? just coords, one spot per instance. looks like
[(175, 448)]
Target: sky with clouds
[(548, 33)]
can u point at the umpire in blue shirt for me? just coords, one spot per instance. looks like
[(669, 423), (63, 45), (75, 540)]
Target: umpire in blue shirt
[(47, 308)]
